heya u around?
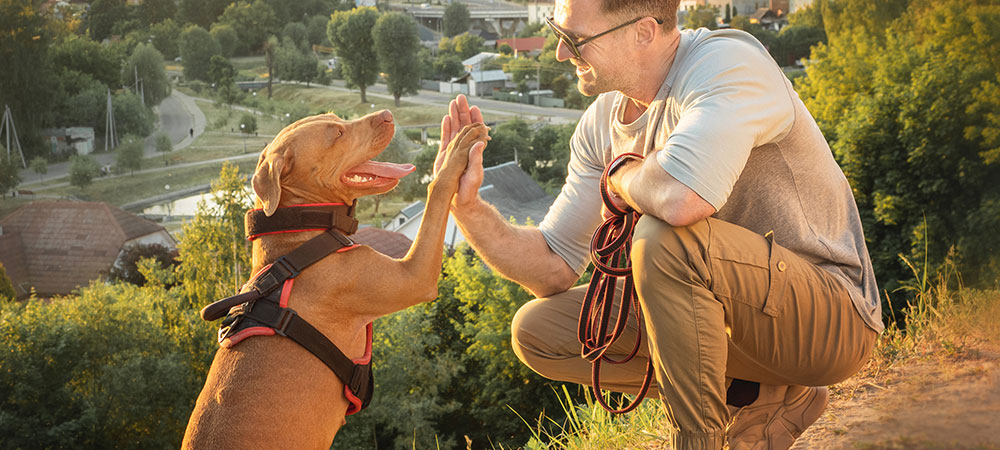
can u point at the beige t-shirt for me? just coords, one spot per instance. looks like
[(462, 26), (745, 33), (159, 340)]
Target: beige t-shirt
[(727, 124)]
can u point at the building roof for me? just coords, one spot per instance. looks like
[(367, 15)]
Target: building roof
[(67, 244), (389, 243), (479, 58), (528, 44), (413, 209), (514, 193), (481, 76)]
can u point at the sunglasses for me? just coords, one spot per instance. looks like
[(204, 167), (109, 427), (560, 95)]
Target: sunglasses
[(574, 45)]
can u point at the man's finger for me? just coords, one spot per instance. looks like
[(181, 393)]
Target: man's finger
[(463, 110), (477, 115)]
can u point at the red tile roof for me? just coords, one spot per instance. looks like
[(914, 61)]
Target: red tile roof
[(528, 44), (67, 244), (389, 243)]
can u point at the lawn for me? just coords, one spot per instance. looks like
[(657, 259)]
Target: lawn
[(288, 98)]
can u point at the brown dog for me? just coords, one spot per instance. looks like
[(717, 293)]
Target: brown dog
[(269, 392)]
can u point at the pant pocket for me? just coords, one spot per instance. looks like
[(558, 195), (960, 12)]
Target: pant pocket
[(750, 271)]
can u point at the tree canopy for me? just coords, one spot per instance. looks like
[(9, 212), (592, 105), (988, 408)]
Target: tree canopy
[(350, 32), (456, 19), (397, 44)]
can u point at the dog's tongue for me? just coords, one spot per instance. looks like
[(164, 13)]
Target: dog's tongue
[(383, 169)]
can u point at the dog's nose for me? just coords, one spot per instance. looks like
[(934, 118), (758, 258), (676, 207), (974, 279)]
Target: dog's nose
[(387, 116)]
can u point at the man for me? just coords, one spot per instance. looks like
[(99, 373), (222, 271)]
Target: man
[(749, 260)]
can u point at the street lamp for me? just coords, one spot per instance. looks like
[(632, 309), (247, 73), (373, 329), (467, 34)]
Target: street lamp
[(243, 131), (520, 104), (288, 118)]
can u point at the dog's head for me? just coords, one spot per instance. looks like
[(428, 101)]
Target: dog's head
[(324, 159)]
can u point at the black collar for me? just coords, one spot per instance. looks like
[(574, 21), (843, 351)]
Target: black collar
[(319, 216)]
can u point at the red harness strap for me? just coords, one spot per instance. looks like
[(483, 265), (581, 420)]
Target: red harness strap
[(609, 251)]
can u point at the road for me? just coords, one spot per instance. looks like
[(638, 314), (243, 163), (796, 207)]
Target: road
[(178, 115)]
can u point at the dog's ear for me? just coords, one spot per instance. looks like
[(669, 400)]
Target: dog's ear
[(267, 180)]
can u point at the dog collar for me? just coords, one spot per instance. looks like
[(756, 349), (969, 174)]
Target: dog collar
[(308, 217)]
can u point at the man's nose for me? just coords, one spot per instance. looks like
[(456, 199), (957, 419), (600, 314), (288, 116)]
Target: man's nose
[(563, 52)]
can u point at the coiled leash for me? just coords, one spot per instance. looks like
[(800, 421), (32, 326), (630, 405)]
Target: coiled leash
[(261, 309), (609, 251)]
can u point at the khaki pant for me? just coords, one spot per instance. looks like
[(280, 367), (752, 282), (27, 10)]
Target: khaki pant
[(719, 301)]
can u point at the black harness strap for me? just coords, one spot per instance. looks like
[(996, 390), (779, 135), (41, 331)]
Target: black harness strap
[(301, 218), (260, 305)]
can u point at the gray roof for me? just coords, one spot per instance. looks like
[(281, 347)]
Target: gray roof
[(412, 209), (488, 75), (515, 193)]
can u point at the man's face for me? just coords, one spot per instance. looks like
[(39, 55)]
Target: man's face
[(600, 67)]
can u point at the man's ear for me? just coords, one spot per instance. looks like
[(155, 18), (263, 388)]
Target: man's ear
[(267, 181)]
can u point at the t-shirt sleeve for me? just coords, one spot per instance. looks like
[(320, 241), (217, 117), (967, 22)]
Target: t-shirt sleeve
[(576, 212), (733, 100)]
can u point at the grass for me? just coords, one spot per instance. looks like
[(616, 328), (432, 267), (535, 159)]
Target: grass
[(127, 189), (297, 98)]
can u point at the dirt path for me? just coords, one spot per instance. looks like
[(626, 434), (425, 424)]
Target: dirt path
[(948, 399)]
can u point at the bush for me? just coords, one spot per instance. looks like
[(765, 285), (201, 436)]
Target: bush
[(126, 268), (7, 291)]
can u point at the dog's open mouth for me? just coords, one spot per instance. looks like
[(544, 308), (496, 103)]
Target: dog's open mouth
[(376, 173)]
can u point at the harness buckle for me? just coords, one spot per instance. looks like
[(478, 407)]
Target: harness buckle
[(287, 265), (284, 318)]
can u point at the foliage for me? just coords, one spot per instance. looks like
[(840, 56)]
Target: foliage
[(131, 116), (248, 123), (766, 37), (316, 30), (227, 38), (157, 11), (165, 36), (532, 29), (464, 45), (222, 74), (126, 268), (39, 165), (506, 49), (703, 16), (102, 17), (7, 292), (197, 47), (9, 175), (351, 36), (456, 19), (447, 66), (82, 55), (521, 69), (82, 170), (202, 13), (253, 23), (900, 96), (116, 366), (162, 143), (89, 108), (128, 155), (213, 252), (147, 62), (396, 45), (297, 32), (293, 63)]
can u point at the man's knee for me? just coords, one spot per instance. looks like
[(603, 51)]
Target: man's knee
[(525, 333), (660, 247)]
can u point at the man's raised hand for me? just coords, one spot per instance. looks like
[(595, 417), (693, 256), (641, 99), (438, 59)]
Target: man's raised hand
[(460, 115)]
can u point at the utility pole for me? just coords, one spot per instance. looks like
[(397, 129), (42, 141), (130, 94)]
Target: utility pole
[(7, 126), (110, 133)]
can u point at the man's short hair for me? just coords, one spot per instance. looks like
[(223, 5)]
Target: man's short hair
[(665, 10)]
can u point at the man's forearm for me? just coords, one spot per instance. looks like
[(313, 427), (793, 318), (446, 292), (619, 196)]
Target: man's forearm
[(671, 201), (516, 252)]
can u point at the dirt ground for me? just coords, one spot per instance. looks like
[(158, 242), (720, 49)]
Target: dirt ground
[(944, 399)]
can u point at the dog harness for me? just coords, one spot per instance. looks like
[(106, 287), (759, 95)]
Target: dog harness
[(261, 309), (609, 251)]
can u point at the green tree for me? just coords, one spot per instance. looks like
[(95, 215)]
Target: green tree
[(253, 23), (82, 55), (126, 268), (298, 33), (156, 11), (213, 252), (316, 30), (227, 38), (165, 36), (163, 145), (102, 17), (248, 123), (40, 166), (350, 32), (397, 44), (522, 69), (82, 171), (900, 102), (222, 74), (294, 64), (447, 66), (456, 19), (9, 176), (197, 47), (131, 116), (7, 292), (128, 155), (201, 12), (147, 63), (703, 16)]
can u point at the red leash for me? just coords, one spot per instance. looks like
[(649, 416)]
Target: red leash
[(609, 251)]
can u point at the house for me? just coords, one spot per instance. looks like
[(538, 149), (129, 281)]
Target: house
[(539, 10), (480, 83), (70, 140), (511, 190), (58, 246), (530, 45), (389, 243), (476, 63)]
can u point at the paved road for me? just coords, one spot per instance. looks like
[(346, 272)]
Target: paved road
[(178, 115)]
